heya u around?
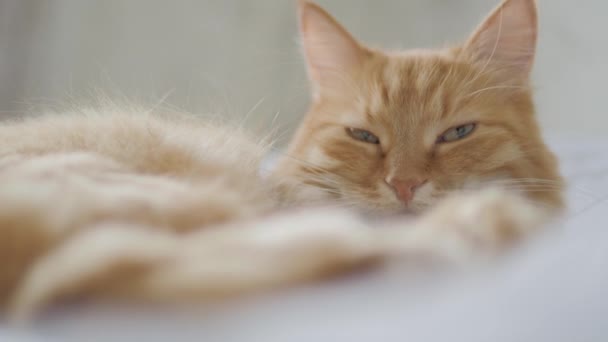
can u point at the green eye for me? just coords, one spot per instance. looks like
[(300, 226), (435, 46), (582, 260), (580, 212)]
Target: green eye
[(456, 133), (363, 135)]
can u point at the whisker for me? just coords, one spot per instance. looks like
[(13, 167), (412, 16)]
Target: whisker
[(477, 92)]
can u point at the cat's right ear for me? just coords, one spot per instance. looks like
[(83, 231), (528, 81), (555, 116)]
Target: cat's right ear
[(332, 54)]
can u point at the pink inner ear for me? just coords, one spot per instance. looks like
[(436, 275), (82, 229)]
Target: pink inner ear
[(330, 50), (507, 38)]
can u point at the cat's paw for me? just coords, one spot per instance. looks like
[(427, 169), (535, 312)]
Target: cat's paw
[(466, 226)]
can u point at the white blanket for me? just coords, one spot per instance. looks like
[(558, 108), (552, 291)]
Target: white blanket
[(555, 289)]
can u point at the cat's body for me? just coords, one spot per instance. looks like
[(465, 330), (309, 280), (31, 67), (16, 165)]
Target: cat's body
[(82, 169), (120, 202)]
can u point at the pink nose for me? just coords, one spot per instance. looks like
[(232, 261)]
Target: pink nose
[(405, 189)]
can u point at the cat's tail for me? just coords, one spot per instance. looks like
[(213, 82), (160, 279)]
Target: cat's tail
[(141, 264)]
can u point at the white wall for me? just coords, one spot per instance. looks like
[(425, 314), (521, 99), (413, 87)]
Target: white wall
[(221, 55)]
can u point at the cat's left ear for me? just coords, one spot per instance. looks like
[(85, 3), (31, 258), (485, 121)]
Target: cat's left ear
[(332, 54), (506, 40)]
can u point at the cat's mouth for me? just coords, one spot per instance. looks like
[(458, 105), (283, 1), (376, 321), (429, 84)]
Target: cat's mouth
[(379, 202)]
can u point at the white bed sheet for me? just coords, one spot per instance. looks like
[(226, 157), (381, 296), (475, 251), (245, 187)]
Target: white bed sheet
[(555, 289)]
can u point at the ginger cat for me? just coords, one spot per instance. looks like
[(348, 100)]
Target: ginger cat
[(121, 203)]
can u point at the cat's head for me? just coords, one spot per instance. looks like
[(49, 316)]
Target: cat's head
[(393, 130)]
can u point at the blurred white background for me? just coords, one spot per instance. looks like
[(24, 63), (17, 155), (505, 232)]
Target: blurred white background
[(227, 56)]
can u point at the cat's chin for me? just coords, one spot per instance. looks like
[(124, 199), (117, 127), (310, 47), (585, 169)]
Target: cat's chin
[(374, 210), (416, 210)]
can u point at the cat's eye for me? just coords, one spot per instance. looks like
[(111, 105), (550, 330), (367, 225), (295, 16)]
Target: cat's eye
[(456, 133), (363, 135)]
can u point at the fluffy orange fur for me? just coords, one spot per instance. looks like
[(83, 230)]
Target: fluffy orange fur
[(121, 203), (408, 99)]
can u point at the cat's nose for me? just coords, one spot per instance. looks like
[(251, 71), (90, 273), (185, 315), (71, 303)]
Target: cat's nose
[(406, 189)]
